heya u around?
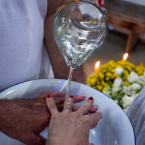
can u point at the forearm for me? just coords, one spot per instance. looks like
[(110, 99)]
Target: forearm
[(7, 108), (24, 119), (53, 5), (2, 113), (59, 66)]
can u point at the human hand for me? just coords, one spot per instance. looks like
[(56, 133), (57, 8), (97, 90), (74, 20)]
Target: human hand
[(24, 119), (59, 98), (71, 128)]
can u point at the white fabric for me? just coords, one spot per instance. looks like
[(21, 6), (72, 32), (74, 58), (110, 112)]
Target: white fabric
[(21, 41), (136, 114), (139, 2)]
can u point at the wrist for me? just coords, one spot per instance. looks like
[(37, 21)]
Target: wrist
[(61, 140)]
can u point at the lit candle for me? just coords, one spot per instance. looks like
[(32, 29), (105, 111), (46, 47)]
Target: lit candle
[(125, 56), (97, 65)]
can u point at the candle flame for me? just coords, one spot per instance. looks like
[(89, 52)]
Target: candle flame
[(125, 56), (97, 64)]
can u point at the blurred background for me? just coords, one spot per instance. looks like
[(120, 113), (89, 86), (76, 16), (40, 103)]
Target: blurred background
[(126, 19)]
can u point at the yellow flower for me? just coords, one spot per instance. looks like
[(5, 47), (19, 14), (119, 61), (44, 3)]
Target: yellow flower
[(141, 64), (111, 62), (106, 76), (99, 88), (126, 72), (106, 84), (126, 84), (101, 75), (103, 90)]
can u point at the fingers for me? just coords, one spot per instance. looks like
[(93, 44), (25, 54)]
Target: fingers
[(60, 100), (44, 94), (79, 98), (93, 109), (68, 104), (59, 97), (51, 105), (35, 139), (94, 118), (85, 107), (57, 94), (41, 141), (54, 94), (93, 126)]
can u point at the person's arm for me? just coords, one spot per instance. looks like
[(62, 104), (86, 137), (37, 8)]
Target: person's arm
[(25, 119), (71, 128), (59, 66)]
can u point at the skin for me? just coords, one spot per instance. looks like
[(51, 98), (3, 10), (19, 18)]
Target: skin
[(59, 66), (71, 128), (25, 119)]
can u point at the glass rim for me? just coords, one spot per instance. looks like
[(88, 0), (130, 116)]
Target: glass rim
[(89, 2)]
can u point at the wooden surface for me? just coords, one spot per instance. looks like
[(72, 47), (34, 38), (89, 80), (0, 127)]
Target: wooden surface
[(126, 17), (125, 8)]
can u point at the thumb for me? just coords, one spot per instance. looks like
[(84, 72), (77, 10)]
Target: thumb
[(35, 139), (41, 141)]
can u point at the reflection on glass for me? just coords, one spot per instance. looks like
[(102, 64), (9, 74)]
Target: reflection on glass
[(79, 29)]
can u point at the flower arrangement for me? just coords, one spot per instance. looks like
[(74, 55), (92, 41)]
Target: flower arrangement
[(121, 81)]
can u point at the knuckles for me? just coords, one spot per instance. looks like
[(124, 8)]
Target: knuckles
[(83, 109), (87, 122)]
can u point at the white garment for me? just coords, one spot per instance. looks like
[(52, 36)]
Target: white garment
[(21, 42), (136, 114)]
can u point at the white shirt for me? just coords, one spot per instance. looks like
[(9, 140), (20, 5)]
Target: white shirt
[(22, 53)]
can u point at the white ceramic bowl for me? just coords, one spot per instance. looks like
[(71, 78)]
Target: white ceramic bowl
[(113, 129)]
